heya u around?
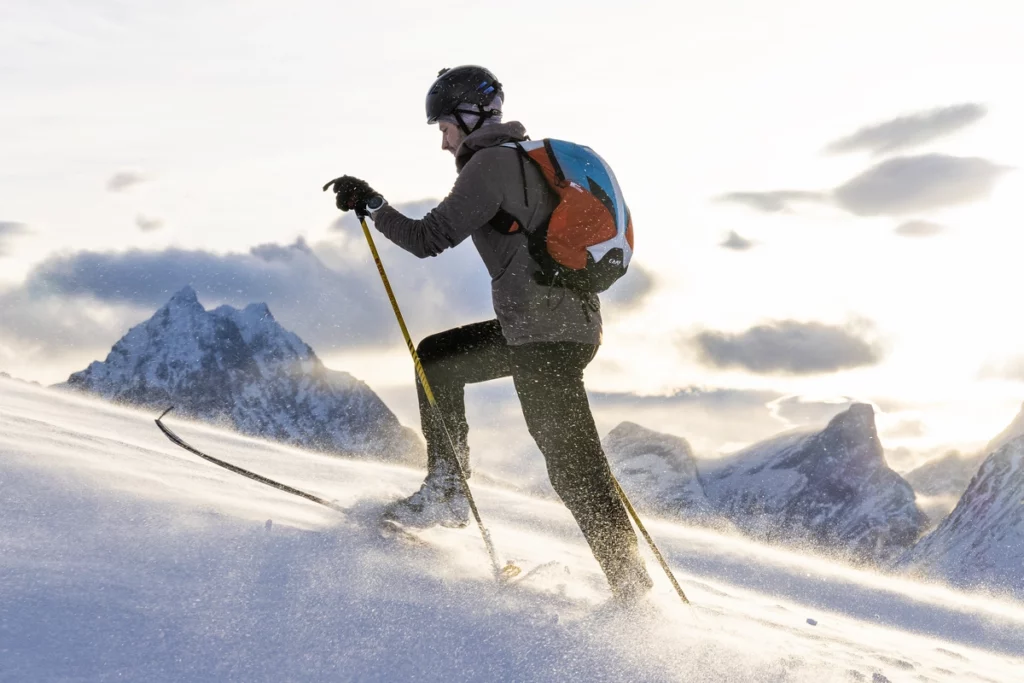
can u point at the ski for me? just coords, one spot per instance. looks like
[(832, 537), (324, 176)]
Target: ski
[(386, 528), (181, 443)]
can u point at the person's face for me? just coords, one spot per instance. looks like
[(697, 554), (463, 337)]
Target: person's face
[(451, 136)]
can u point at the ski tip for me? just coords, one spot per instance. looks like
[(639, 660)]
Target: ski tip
[(164, 413)]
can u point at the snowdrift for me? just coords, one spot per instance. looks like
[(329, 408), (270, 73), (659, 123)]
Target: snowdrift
[(123, 557)]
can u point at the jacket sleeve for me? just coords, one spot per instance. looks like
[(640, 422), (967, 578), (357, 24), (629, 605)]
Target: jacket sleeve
[(473, 201)]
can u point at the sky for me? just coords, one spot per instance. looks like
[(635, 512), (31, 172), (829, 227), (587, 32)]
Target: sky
[(827, 196)]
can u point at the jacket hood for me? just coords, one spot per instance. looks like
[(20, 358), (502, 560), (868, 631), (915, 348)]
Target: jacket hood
[(488, 136)]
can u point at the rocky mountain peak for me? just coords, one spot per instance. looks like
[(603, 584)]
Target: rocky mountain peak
[(854, 430), (658, 470), (243, 367), (260, 311), (185, 299), (832, 488)]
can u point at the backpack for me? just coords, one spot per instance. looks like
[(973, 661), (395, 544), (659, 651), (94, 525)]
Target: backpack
[(587, 242)]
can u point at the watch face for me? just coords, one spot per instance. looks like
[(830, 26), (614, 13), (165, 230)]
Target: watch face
[(374, 203)]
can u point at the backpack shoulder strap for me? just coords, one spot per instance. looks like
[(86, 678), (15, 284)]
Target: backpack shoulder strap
[(518, 146)]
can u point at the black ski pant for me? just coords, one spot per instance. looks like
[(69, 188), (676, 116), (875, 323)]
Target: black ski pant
[(548, 378)]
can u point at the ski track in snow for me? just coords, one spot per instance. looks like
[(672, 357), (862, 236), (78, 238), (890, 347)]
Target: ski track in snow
[(125, 558)]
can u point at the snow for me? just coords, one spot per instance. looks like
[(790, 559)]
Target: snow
[(240, 367), (1012, 431), (125, 558), (831, 489), (659, 468), (981, 543)]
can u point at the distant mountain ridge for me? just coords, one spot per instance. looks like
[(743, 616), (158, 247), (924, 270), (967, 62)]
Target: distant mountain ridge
[(830, 488), (242, 368), (4, 375), (982, 541), (946, 475), (658, 469)]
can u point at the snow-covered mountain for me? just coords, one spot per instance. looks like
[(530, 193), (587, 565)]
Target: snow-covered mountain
[(1015, 429), (241, 368), (832, 488), (657, 470), (982, 541), (4, 375), (946, 475)]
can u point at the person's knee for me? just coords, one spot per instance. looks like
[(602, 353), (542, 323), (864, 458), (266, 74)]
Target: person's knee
[(430, 349)]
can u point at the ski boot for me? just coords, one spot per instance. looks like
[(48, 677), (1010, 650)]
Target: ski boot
[(632, 592), (441, 500)]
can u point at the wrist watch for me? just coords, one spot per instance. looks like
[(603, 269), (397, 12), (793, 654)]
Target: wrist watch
[(374, 203)]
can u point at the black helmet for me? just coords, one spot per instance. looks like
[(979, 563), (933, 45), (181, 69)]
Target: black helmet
[(472, 85)]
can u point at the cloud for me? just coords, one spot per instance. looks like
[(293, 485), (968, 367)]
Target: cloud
[(330, 309), (715, 397), (148, 224), (736, 242), (896, 186), (122, 181), (330, 293), (8, 231), (714, 420), (55, 331), (1007, 368), (905, 185), (788, 347), (909, 131), (910, 428), (919, 229), (632, 288), (776, 201), (802, 411)]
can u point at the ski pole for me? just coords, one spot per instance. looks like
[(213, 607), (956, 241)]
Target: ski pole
[(500, 574), (650, 541)]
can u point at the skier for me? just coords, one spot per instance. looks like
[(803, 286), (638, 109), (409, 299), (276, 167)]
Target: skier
[(543, 336)]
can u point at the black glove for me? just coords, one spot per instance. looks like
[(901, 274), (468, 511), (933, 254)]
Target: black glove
[(353, 193)]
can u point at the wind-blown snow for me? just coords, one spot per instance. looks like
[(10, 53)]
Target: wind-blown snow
[(125, 558)]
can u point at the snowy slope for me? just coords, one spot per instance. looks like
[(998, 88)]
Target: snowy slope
[(240, 367), (947, 475), (123, 558), (831, 488), (658, 468), (1012, 431), (940, 482), (981, 543)]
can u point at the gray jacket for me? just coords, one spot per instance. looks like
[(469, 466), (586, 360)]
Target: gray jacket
[(491, 178)]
